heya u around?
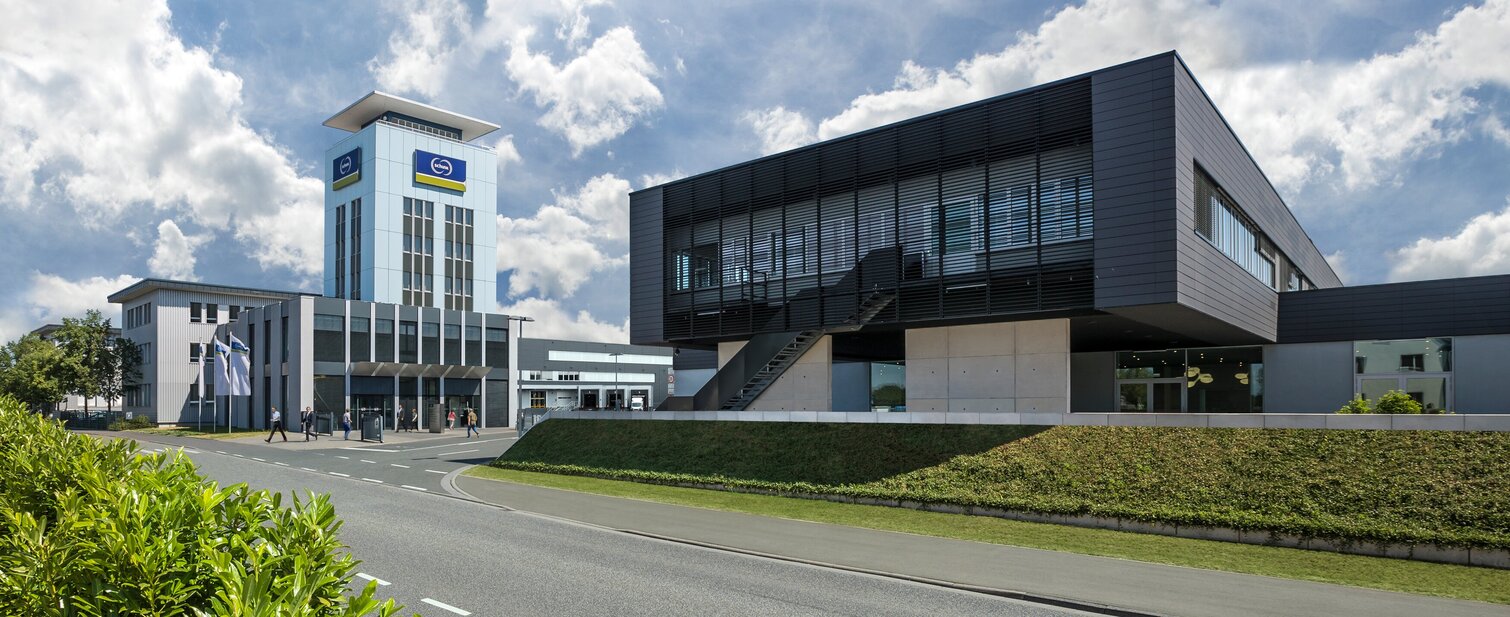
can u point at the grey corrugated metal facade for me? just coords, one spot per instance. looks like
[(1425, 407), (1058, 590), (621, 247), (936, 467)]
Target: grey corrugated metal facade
[(1118, 206)]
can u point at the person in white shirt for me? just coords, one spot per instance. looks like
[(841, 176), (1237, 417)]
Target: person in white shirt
[(346, 423), (277, 426)]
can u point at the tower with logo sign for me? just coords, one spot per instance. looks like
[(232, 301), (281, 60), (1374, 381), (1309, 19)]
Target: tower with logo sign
[(410, 206)]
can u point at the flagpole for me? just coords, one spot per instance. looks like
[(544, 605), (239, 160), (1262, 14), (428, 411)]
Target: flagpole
[(201, 386)]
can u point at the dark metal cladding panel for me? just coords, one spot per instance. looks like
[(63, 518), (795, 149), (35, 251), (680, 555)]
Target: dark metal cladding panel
[(646, 281), (1420, 309), (973, 212), (1209, 281), (1133, 119)]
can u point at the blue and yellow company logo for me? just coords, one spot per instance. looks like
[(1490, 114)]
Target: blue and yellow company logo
[(346, 169), (442, 171)]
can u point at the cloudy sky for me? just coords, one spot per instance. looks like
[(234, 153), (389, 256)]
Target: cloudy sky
[(183, 139)]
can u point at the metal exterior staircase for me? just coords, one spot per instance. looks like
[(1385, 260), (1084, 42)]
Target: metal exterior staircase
[(798, 345)]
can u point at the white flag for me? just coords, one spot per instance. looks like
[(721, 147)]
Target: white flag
[(241, 368), (222, 380), (204, 356)]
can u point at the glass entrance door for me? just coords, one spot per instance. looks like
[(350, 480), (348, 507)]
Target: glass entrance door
[(1151, 395)]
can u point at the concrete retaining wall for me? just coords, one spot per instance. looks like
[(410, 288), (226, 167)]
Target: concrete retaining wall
[(1382, 422)]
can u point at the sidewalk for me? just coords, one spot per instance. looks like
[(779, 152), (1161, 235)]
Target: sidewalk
[(1131, 585), (326, 442)]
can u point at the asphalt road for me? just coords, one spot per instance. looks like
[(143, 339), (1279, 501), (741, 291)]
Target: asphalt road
[(441, 555)]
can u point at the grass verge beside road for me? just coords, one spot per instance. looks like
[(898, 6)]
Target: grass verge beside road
[(186, 431), (1464, 582)]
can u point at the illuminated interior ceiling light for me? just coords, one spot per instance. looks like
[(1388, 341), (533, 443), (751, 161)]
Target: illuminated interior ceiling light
[(1205, 378), (1192, 372), (1242, 378)]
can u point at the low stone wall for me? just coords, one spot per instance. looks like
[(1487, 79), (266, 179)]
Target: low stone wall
[(1382, 422)]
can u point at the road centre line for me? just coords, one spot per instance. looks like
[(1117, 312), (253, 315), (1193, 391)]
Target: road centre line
[(461, 452), (306, 469), (278, 463), (445, 606), (369, 449), (345, 457), (259, 460), (220, 451), (367, 461), (373, 481), (398, 465), (425, 490), (380, 582), (434, 471), (337, 473)]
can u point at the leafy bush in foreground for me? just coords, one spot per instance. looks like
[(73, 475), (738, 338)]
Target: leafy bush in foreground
[(90, 527)]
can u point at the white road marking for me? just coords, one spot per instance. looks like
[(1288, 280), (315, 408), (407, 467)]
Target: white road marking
[(450, 453), (345, 457), (258, 460), (237, 455), (306, 469), (373, 481), (369, 449), (367, 461), (191, 451), (398, 465), (220, 451), (380, 582), (278, 463), (415, 488), (434, 471), (452, 445), (337, 473), (445, 606)]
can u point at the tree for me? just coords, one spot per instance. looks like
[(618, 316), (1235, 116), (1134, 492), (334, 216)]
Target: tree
[(34, 370), (125, 370), (86, 342)]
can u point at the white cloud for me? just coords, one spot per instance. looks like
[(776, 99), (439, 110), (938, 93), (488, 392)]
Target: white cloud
[(1482, 247), (1496, 129), (657, 179), (595, 96), (174, 256), (566, 243), (1357, 119), (781, 129), (554, 321), (1338, 261), (423, 52), (107, 113), (50, 298), (507, 153)]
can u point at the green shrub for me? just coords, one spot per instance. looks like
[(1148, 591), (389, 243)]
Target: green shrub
[(133, 423), (1397, 402), (1357, 405), (1414, 487), (92, 527)]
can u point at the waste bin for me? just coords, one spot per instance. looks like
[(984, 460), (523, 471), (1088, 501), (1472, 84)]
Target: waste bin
[(372, 427), (325, 423), (436, 418)]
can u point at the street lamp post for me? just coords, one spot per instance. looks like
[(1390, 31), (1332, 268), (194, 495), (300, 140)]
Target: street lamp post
[(513, 403)]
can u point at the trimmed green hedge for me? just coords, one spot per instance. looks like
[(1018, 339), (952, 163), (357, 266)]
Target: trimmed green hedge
[(1441, 487), (92, 527)]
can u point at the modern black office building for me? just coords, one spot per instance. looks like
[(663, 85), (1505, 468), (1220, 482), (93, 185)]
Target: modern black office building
[(1100, 243)]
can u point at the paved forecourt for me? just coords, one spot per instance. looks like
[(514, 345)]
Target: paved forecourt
[(440, 555)]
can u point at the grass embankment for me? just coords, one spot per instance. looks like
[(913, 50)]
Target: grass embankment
[(189, 431), (1468, 583), (1450, 488)]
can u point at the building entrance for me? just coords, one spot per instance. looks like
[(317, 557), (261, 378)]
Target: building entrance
[(589, 400), (368, 403)]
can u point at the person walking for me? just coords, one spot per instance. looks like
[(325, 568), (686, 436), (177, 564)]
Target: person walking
[(277, 426), (346, 424), (451, 419), (309, 424), (472, 424), (399, 418)]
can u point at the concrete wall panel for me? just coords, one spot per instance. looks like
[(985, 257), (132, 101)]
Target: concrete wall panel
[(1307, 377)]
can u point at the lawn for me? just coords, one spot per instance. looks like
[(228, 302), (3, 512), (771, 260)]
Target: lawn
[(189, 431), (1470, 583), (1441, 487)]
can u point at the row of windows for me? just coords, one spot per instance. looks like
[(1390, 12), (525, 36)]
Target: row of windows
[(458, 258), (1019, 216), (200, 312), (330, 344), (138, 396), (356, 248), (138, 316), (1221, 222)]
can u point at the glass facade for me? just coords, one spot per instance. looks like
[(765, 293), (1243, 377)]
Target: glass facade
[(330, 338), (1201, 380), (888, 386), (1421, 368), (1221, 222), (983, 210)]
